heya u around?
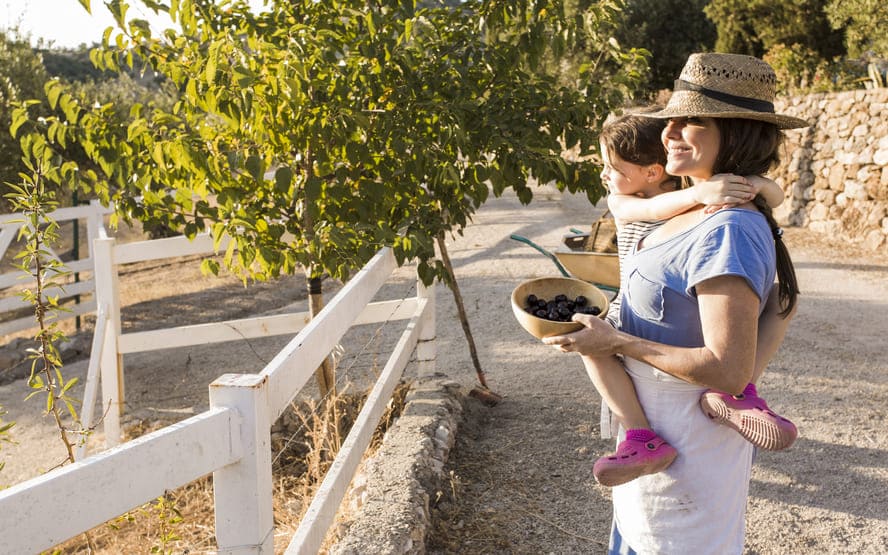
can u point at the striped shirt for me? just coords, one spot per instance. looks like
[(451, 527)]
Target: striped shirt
[(628, 235)]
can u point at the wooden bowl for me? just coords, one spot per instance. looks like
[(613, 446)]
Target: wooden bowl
[(547, 288)]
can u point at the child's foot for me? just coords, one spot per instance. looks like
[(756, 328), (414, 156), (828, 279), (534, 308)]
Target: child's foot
[(642, 452), (750, 416)]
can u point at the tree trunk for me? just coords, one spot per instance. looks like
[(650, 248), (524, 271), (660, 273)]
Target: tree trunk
[(483, 393), (324, 375)]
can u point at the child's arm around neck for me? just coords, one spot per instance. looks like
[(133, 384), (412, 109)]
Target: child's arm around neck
[(770, 191), (630, 208), (719, 191)]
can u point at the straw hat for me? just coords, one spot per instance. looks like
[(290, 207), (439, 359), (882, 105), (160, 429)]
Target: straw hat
[(720, 85)]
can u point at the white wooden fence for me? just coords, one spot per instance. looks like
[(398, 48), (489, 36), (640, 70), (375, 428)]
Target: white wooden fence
[(10, 302), (232, 438)]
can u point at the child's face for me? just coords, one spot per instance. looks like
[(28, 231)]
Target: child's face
[(624, 178)]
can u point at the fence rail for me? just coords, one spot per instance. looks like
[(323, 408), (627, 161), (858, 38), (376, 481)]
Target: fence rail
[(49, 509), (232, 439), (10, 303)]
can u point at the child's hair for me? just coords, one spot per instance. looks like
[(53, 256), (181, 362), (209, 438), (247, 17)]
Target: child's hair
[(636, 139)]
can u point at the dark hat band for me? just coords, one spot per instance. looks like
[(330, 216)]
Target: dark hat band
[(739, 101)]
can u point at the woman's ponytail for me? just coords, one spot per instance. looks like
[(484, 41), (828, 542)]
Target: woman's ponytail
[(788, 286)]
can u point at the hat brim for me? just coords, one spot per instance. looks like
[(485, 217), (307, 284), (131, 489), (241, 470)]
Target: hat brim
[(685, 104)]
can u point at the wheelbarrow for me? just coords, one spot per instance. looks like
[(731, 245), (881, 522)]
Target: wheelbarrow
[(599, 268)]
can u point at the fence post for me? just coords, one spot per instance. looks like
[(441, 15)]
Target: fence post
[(95, 225), (111, 360), (88, 408), (426, 347), (243, 490)]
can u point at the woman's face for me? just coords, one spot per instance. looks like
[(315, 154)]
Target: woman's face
[(692, 145)]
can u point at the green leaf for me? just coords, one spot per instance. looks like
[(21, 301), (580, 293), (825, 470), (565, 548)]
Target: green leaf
[(244, 77), (209, 266), (254, 167), (53, 90), (212, 62), (283, 179), (19, 117)]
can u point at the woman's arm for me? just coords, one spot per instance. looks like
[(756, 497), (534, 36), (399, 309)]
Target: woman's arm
[(771, 331), (729, 316)]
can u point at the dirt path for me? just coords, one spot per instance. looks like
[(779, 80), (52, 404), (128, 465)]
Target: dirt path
[(521, 472)]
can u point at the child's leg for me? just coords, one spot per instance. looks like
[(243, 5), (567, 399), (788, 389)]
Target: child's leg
[(643, 451), (616, 389)]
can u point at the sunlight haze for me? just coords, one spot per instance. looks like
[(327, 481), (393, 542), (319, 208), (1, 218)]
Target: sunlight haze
[(65, 24)]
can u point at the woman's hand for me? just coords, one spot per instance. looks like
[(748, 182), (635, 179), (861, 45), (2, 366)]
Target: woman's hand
[(597, 338)]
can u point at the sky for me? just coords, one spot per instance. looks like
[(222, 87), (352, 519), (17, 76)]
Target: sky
[(66, 24)]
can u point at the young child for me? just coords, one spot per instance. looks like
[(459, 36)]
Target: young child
[(641, 197)]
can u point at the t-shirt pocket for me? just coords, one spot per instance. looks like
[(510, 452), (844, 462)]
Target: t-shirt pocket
[(645, 297)]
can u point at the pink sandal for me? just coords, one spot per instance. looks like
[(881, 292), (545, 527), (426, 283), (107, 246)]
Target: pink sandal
[(635, 456), (750, 416)]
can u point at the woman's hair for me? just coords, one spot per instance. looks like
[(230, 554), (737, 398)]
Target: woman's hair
[(751, 147), (637, 140)]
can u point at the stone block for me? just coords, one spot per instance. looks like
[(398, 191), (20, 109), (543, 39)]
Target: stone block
[(874, 240), (834, 212), (828, 227), (846, 156), (782, 214), (853, 219), (877, 212), (875, 190), (818, 212), (836, 178), (864, 157), (825, 196), (855, 190)]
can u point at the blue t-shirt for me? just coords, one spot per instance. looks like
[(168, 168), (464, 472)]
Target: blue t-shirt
[(660, 300)]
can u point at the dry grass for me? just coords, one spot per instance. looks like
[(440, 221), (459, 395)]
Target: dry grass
[(182, 521)]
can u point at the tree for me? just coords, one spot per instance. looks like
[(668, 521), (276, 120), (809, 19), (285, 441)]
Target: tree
[(754, 26), (671, 30), (317, 132), (598, 23), (864, 22), (22, 77), (72, 64)]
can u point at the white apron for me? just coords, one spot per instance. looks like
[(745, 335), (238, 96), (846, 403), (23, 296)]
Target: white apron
[(698, 504)]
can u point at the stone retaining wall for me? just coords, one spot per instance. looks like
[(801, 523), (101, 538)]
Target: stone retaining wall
[(835, 173), (389, 501)]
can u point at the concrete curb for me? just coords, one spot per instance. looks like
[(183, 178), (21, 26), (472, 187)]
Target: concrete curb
[(388, 505)]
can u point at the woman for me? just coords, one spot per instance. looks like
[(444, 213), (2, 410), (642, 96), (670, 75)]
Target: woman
[(696, 287)]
